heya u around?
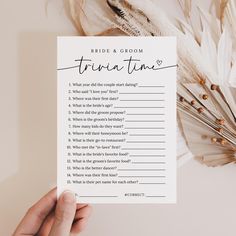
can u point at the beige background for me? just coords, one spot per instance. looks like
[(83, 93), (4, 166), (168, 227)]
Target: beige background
[(206, 196)]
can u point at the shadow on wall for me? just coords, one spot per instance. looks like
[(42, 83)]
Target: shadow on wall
[(37, 127)]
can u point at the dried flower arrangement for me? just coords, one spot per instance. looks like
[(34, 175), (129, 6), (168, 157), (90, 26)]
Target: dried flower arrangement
[(206, 62)]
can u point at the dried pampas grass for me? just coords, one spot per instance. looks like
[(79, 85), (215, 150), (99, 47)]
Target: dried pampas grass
[(207, 63)]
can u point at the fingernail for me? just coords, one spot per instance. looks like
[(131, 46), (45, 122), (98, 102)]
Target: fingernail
[(68, 197)]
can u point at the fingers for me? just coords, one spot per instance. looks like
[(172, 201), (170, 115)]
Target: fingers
[(81, 219), (35, 216), (64, 215), (83, 212), (47, 225), (80, 205), (40, 218), (79, 226)]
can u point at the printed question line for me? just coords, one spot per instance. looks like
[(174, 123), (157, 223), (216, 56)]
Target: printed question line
[(153, 183), (145, 114), (151, 86), (142, 176), (141, 169), (145, 141), (144, 127), (158, 100), (134, 155), (146, 162), (142, 93), (161, 135), (141, 107), (143, 149), (144, 121)]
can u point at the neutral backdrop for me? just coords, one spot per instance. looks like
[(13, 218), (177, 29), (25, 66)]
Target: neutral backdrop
[(206, 196)]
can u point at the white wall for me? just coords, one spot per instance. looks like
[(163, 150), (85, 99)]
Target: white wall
[(206, 196)]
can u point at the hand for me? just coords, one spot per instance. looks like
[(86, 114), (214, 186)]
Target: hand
[(49, 217)]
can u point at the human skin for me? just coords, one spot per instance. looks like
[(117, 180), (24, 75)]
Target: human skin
[(52, 217)]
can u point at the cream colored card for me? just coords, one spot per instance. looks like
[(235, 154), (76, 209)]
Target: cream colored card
[(117, 119)]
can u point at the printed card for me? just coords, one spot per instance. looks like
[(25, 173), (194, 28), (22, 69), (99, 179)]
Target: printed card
[(117, 119)]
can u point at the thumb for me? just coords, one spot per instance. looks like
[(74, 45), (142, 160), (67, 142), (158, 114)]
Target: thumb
[(64, 214)]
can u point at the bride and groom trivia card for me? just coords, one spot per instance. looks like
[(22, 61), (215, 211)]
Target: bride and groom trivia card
[(116, 116)]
